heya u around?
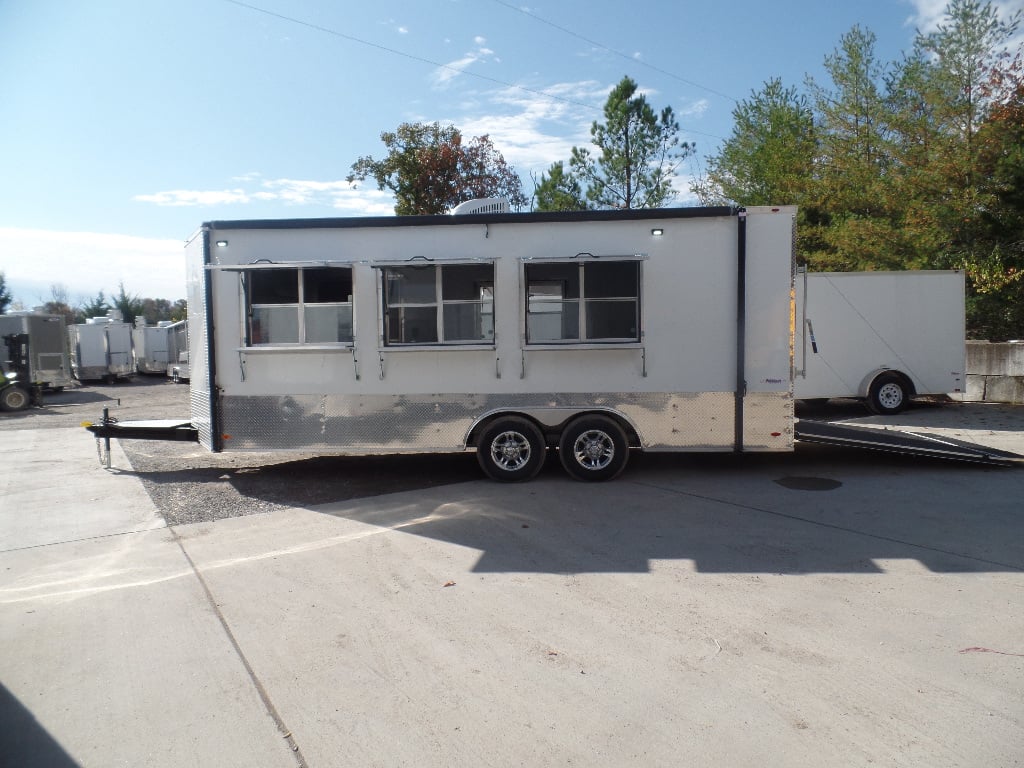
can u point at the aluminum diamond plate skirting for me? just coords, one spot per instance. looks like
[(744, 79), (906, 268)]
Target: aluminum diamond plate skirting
[(379, 424)]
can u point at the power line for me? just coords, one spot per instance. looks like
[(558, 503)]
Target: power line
[(412, 57), (603, 47), (422, 60)]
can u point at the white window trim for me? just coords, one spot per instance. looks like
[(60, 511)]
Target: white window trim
[(583, 342), (438, 304), (300, 307)]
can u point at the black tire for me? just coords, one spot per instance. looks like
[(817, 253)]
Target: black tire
[(511, 449), (888, 394), (15, 398), (593, 448)]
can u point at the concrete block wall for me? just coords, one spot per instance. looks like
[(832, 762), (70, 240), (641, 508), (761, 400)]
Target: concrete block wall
[(995, 372)]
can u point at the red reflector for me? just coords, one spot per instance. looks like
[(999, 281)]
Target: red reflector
[(776, 434)]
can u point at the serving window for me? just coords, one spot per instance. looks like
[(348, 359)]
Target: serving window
[(309, 305), (438, 304), (582, 302)]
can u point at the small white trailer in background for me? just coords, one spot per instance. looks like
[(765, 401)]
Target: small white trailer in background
[(49, 361), (101, 348), (883, 337), (177, 370), (157, 347)]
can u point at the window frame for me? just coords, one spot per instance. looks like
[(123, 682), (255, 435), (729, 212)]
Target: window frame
[(438, 303), (298, 306), (580, 261)]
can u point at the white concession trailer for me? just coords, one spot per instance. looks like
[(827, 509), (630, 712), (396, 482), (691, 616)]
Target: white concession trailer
[(589, 332), (667, 330), (882, 337)]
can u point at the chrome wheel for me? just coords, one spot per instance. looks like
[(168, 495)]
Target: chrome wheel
[(510, 451), (594, 449), (511, 448)]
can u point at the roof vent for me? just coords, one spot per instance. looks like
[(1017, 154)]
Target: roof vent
[(482, 205)]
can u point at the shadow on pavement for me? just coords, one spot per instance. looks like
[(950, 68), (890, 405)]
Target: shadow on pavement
[(23, 741), (725, 514)]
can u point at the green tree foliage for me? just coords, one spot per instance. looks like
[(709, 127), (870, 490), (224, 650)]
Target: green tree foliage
[(155, 310), (558, 190), (130, 305), (770, 155), (94, 307), (971, 94), (179, 311), (5, 295), (854, 183), (430, 169), (995, 265), (60, 304), (912, 164), (638, 153)]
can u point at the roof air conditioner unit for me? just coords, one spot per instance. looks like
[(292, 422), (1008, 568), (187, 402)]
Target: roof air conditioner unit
[(482, 205)]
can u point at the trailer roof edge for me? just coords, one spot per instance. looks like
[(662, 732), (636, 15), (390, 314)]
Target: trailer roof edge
[(639, 214)]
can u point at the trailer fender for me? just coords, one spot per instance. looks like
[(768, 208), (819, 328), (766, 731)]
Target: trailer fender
[(552, 420)]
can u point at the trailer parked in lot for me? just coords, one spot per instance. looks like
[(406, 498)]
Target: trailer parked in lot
[(589, 332), (667, 330), (178, 370), (48, 362), (157, 347), (882, 337), (101, 348)]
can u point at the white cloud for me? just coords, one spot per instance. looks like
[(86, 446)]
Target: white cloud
[(532, 129), (928, 14), (187, 197), (340, 195), (86, 263), (451, 70), (443, 75), (695, 109)]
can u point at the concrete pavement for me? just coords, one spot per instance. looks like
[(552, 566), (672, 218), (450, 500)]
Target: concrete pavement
[(823, 608), (113, 651)]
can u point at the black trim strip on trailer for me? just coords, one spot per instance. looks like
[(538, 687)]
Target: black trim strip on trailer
[(741, 327), (216, 438)]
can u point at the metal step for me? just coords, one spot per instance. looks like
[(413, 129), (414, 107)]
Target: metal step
[(898, 441)]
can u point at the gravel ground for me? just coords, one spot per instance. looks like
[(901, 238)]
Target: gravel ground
[(189, 484)]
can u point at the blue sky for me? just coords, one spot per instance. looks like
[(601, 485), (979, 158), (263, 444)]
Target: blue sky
[(124, 125)]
